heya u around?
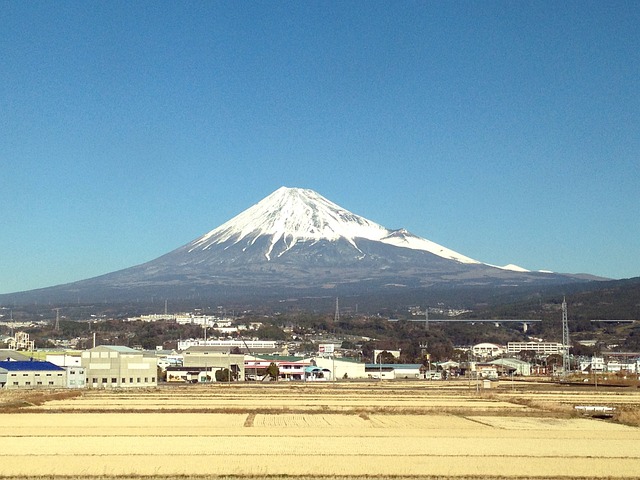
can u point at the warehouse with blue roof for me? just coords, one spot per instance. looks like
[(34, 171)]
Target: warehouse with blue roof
[(31, 374)]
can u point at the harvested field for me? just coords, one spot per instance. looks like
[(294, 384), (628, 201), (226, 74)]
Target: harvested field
[(330, 431)]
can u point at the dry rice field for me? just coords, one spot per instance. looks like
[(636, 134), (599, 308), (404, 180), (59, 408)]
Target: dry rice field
[(311, 431)]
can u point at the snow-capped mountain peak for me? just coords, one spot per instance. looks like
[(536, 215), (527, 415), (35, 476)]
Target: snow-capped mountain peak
[(403, 238), (293, 215)]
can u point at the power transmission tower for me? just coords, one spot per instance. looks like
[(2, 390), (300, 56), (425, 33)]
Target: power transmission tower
[(57, 325), (426, 318), (566, 366)]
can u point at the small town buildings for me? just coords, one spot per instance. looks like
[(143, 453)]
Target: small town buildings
[(313, 373), (541, 348), (449, 368), (485, 370), (289, 368), (182, 374), (21, 341), (65, 360), (390, 371), (341, 368), (409, 370), (76, 373), (487, 350), (211, 360), (508, 366), (380, 371), (611, 365), (168, 358), (227, 346), (31, 374), (111, 366), (76, 377)]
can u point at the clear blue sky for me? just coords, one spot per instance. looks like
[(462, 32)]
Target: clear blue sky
[(507, 131)]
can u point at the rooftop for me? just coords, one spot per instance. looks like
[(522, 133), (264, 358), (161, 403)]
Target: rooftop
[(29, 366)]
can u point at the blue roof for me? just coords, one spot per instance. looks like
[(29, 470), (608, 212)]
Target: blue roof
[(29, 366)]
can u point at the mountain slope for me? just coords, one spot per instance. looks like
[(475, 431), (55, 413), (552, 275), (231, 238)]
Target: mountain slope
[(295, 240)]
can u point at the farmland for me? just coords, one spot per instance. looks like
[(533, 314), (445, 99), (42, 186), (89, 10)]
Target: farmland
[(343, 430)]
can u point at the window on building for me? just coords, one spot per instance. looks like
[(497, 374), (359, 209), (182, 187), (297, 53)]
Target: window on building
[(15, 383), (39, 383), (124, 380), (130, 379), (153, 379), (138, 380), (104, 380), (114, 380), (146, 379)]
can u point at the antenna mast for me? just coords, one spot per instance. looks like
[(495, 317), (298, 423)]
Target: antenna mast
[(566, 366), (336, 317)]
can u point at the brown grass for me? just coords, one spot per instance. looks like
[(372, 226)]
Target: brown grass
[(290, 477), (390, 431), (13, 400), (296, 477), (628, 416)]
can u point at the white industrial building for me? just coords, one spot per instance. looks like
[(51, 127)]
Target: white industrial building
[(110, 366), (541, 348), (245, 346), (340, 367), (31, 374)]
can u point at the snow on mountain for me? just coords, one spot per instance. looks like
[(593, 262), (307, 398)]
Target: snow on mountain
[(300, 215), (513, 268), (402, 238)]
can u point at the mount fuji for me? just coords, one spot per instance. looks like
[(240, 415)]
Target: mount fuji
[(294, 242)]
